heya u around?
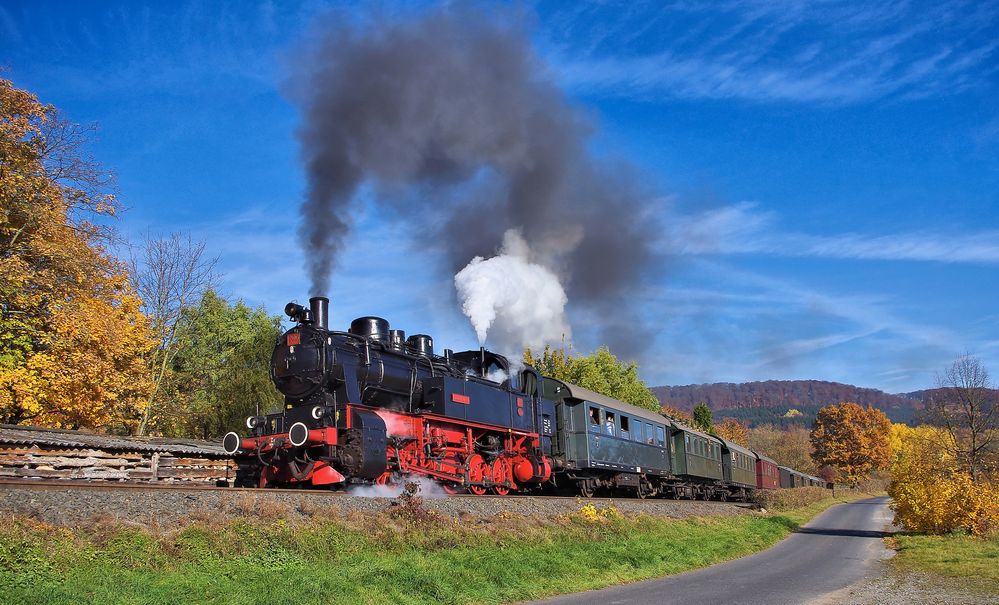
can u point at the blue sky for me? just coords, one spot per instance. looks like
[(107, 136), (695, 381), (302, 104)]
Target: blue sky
[(827, 173)]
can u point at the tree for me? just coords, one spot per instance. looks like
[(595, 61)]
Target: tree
[(965, 407), (932, 491), (852, 439), (732, 430), (170, 273), (790, 447), (72, 336), (676, 414), (599, 371), (702, 417), (221, 371)]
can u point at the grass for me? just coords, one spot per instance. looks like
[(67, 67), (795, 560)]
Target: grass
[(972, 560), (409, 556)]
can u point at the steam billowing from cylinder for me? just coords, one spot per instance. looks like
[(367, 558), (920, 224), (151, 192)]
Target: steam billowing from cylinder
[(451, 119)]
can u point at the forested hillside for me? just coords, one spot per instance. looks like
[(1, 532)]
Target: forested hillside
[(783, 402)]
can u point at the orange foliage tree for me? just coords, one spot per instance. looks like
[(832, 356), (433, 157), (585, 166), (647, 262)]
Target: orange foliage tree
[(733, 430), (852, 439), (676, 414), (72, 337)]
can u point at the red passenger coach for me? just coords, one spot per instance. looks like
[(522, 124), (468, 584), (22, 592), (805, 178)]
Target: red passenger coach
[(767, 473)]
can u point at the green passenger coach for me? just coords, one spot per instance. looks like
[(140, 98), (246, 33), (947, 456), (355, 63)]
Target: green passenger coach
[(608, 444)]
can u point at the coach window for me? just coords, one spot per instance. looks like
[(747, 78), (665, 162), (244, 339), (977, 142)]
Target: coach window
[(625, 427), (609, 423), (648, 434), (660, 436), (594, 419), (637, 434)]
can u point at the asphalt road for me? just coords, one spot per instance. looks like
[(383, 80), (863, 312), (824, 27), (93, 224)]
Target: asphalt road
[(834, 550)]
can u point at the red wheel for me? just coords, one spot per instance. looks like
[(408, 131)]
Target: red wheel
[(501, 475), (478, 472), (453, 488)]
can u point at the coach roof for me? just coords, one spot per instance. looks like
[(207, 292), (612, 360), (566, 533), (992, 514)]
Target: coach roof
[(578, 392)]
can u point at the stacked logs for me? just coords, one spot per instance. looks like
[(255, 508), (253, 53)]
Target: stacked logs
[(34, 453)]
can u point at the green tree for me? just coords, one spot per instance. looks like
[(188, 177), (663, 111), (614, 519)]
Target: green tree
[(220, 374), (599, 371), (702, 417)]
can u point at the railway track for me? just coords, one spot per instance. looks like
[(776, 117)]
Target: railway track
[(173, 487)]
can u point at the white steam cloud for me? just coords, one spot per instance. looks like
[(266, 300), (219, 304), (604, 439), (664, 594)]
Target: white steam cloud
[(513, 301)]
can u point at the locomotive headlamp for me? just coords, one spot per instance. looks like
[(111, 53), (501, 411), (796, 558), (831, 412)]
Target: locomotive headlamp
[(298, 434), (293, 310), (253, 422), (231, 443), (318, 412)]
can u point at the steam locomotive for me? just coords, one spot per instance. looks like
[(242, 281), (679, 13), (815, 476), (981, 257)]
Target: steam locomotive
[(370, 405)]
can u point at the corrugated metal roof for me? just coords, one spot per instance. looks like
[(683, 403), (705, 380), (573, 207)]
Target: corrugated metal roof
[(30, 435)]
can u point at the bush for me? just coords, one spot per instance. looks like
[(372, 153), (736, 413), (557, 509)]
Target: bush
[(786, 499), (931, 493)]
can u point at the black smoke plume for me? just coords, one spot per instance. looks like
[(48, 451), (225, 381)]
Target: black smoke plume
[(451, 118)]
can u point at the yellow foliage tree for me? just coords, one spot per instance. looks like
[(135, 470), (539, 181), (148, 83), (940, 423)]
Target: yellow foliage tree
[(72, 338), (932, 492), (733, 430), (852, 439)]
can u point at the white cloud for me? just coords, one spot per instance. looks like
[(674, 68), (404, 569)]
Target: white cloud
[(763, 52), (743, 229)]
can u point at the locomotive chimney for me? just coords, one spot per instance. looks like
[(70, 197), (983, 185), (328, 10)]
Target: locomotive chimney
[(320, 311)]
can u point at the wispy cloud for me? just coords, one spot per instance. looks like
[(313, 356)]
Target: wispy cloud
[(826, 53), (744, 229)]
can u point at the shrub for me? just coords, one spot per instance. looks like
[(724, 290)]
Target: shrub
[(931, 493), (786, 499)]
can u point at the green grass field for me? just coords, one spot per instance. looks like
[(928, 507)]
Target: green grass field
[(973, 561), (406, 557)]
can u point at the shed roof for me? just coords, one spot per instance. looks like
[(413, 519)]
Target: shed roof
[(32, 435)]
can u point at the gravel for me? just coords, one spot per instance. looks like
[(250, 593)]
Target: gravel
[(888, 585), (136, 505)]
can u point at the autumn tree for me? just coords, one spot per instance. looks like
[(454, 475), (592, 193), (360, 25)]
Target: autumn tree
[(702, 417), (852, 439), (931, 488), (790, 447), (676, 414), (964, 405), (732, 430), (221, 371), (599, 371), (72, 336), (170, 273)]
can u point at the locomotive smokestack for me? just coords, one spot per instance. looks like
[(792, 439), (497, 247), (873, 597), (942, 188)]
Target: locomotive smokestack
[(320, 306)]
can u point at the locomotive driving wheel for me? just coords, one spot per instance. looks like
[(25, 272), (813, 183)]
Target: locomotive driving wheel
[(478, 472), (501, 475)]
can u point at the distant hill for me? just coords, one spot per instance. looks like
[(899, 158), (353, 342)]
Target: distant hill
[(769, 402)]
